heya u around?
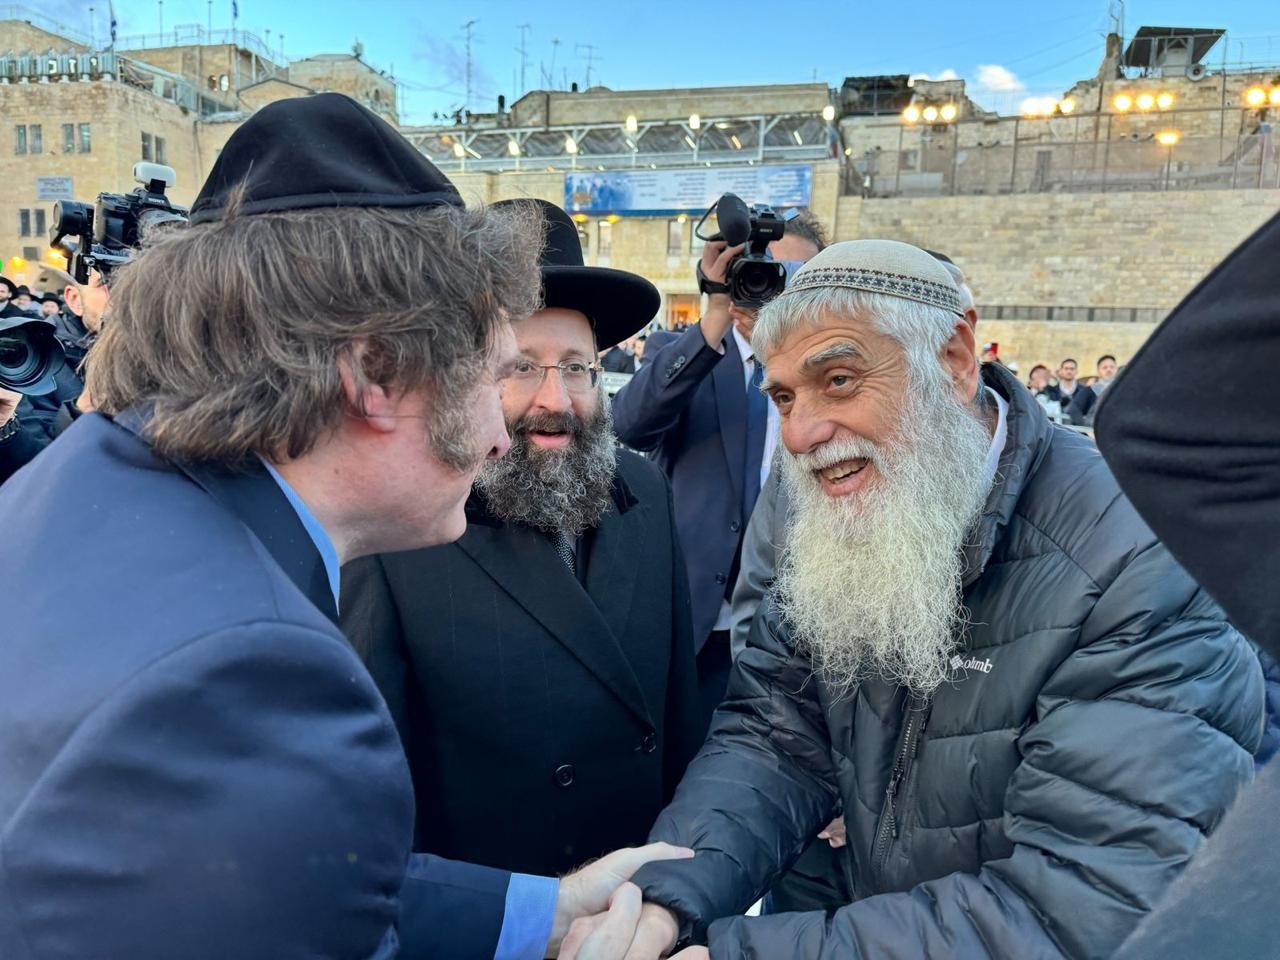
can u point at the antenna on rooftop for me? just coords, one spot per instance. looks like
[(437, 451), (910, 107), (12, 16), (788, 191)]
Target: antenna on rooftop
[(466, 103), (524, 29), (591, 58)]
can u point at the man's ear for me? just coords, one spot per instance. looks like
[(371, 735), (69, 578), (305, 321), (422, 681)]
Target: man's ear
[(71, 296), (368, 402), (960, 357)]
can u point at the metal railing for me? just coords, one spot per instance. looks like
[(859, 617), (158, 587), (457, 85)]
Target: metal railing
[(1200, 149), (761, 139), (193, 34)]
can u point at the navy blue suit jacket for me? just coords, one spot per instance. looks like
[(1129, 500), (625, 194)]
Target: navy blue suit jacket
[(193, 761), (687, 406)]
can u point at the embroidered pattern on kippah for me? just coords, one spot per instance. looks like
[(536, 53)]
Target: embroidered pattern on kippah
[(877, 281)]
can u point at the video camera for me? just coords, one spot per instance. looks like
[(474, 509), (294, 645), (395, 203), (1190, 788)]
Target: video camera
[(98, 237), (108, 232), (754, 277)]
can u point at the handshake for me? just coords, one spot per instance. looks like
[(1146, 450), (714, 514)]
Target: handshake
[(600, 914)]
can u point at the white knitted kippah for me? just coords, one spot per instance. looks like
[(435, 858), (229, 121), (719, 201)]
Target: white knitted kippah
[(880, 266)]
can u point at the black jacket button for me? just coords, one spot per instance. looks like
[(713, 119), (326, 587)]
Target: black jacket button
[(735, 527), (649, 743), (564, 774), (721, 578)]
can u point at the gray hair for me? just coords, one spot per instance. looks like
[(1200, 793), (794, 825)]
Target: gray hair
[(966, 292), (921, 329)]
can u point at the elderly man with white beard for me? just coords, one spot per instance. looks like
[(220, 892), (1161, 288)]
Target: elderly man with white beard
[(1028, 713)]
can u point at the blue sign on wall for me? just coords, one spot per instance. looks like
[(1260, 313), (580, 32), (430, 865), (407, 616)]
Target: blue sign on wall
[(693, 190)]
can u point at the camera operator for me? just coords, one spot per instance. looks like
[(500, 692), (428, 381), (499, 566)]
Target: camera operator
[(694, 404), (28, 424)]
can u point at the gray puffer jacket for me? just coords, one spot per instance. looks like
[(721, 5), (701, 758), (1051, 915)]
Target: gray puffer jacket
[(1102, 717)]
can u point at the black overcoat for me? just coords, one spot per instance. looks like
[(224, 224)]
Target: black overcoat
[(547, 719)]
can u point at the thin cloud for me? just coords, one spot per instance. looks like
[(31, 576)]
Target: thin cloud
[(947, 74), (997, 79)]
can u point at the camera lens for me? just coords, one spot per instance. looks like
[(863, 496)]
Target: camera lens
[(29, 358), (15, 355)]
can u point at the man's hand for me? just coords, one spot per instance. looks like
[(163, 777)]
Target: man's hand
[(588, 891), (693, 953), (835, 834), (715, 267), (644, 933), (606, 936), (8, 405)]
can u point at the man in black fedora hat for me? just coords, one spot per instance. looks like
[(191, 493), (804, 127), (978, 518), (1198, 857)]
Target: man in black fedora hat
[(541, 669), (193, 761)]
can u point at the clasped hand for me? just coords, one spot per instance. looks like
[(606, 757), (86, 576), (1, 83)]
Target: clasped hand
[(601, 915)]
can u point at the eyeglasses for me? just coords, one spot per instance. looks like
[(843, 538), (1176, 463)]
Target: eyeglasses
[(576, 375)]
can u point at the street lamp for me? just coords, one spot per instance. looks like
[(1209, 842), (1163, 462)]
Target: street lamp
[(570, 145), (828, 113), (1067, 106), (513, 148), (695, 121), (1167, 138), (911, 114), (948, 112), (1145, 101), (1164, 101), (632, 123), (930, 114), (1123, 103), (1256, 97)]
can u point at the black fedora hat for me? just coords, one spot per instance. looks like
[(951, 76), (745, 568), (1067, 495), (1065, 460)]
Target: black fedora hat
[(320, 151), (616, 302), (12, 287)]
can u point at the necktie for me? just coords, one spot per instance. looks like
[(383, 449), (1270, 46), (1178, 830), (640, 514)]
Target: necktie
[(565, 549), (757, 424)]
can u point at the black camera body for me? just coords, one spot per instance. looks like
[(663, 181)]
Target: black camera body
[(107, 233), (754, 277)]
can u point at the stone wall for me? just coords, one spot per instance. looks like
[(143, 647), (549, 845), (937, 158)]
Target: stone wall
[(1092, 250)]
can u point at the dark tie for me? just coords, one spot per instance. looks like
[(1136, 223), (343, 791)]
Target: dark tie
[(757, 424), (565, 550)]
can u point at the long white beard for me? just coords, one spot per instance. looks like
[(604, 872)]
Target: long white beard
[(871, 583)]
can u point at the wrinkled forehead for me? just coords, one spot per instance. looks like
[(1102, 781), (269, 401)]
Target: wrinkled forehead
[(827, 338)]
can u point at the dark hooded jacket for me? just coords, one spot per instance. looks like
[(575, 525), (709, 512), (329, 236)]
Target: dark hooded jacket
[(1101, 718)]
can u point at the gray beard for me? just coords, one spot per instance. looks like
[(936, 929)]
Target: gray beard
[(565, 490), (871, 583)]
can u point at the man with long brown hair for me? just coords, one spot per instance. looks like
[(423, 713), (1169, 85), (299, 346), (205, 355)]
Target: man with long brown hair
[(193, 762)]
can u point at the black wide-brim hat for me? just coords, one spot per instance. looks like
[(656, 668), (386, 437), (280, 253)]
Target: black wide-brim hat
[(324, 150), (616, 302), (13, 287)]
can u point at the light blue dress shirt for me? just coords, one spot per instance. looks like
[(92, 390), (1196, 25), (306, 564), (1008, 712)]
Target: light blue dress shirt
[(531, 901)]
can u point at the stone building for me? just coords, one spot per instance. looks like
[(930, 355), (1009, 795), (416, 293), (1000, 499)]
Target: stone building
[(1080, 221), (77, 117)]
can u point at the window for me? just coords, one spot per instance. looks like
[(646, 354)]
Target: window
[(31, 254), (84, 138), (24, 223), (146, 147), (160, 158), (68, 138), (675, 238), (604, 239), (40, 232), (35, 138), (19, 139)]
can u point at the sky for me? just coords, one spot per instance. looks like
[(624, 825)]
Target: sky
[(1007, 50)]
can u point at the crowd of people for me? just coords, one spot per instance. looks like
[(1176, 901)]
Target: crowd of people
[(399, 637)]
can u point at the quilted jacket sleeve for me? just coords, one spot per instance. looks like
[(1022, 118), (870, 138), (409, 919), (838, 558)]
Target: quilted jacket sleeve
[(759, 790), (1139, 742)]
